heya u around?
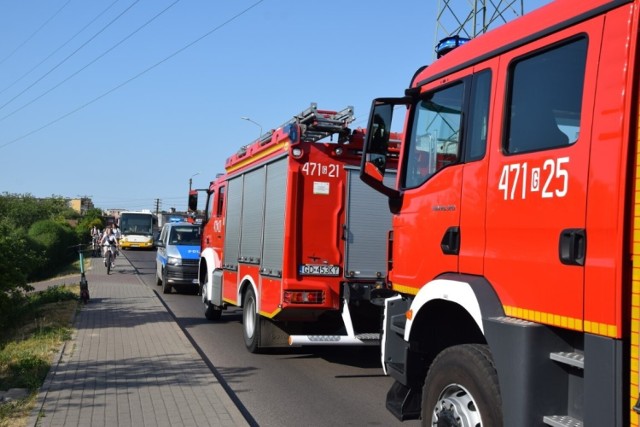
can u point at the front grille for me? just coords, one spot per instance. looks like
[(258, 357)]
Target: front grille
[(183, 273), (190, 261)]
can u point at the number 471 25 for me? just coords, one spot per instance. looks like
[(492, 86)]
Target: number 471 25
[(519, 179)]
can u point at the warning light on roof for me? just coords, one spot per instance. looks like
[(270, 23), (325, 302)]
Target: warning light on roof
[(447, 44), (292, 130)]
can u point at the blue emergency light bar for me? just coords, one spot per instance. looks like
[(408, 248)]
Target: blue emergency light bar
[(447, 44)]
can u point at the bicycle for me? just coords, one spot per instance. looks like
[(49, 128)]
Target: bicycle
[(109, 257), (95, 246)]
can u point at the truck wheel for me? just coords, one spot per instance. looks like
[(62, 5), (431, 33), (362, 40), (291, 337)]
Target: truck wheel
[(211, 312), (251, 322), (166, 288), (461, 389)]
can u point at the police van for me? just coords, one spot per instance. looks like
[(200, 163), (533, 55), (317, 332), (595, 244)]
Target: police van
[(178, 256)]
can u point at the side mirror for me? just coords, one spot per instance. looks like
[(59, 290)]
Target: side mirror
[(377, 153), (159, 244), (193, 200), (372, 169)]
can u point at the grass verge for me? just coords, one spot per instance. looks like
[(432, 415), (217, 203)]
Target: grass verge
[(28, 347)]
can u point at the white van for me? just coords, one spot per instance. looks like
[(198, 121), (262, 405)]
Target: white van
[(178, 256)]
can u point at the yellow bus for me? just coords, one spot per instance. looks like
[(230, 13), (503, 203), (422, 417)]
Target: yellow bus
[(136, 229)]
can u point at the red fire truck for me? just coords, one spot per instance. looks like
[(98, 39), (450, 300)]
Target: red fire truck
[(515, 246), (294, 237)]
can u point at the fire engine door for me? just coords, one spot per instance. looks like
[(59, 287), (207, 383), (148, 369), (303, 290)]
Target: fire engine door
[(537, 185), (427, 233), (214, 230)]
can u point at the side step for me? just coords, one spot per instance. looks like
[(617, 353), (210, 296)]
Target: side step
[(351, 338), (360, 339), (576, 360), (569, 358), (561, 421)]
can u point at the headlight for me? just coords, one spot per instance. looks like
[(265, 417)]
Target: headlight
[(174, 261)]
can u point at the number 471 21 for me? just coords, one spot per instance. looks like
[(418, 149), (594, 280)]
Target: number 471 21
[(519, 179)]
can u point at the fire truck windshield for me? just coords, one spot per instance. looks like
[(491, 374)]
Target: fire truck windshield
[(434, 141)]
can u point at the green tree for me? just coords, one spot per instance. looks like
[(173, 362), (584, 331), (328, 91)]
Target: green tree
[(19, 258), (57, 241), (93, 217), (36, 239), (24, 209)]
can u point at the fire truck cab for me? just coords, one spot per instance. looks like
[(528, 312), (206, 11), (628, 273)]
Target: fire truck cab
[(514, 246)]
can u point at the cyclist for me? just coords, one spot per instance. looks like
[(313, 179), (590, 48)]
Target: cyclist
[(109, 242), (95, 244), (116, 232)]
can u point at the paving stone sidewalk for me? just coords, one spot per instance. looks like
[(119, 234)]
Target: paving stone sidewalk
[(129, 364)]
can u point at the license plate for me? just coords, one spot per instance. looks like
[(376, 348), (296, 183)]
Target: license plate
[(319, 270)]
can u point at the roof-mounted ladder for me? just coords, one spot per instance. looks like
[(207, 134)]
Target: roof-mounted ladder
[(314, 125), (318, 124)]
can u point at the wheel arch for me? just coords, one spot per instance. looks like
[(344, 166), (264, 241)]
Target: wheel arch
[(209, 261), (245, 283), (450, 310), (471, 295)]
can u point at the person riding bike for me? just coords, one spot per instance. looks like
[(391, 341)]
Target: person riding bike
[(95, 245), (110, 243), (116, 232)]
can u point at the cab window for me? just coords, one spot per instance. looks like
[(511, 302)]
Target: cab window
[(435, 135), (220, 205), (545, 98), (163, 234), (209, 211), (478, 123)]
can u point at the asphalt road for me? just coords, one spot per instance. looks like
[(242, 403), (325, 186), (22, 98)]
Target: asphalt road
[(310, 386)]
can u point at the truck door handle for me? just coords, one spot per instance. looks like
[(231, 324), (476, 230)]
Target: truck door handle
[(450, 243), (573, 246)]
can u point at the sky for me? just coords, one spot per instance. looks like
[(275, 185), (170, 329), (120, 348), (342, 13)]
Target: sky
[(126, 101)]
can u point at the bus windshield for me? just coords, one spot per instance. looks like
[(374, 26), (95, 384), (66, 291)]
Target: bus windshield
[(136, 223)]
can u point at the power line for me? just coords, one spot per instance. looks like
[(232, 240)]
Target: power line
[(59, 47), (89, 64), (71, 54), (110, 91), (34, 33)]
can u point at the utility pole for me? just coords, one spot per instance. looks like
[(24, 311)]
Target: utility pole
[(157, 207)]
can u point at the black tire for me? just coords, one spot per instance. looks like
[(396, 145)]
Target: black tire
[(108, 261), (166, 287), (211, 312), (251, 322), (461, 389)]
